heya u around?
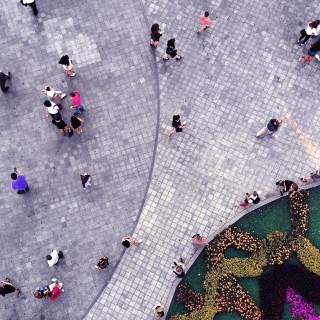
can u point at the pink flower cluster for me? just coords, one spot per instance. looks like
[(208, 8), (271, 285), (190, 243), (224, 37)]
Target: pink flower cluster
[(300, 308)]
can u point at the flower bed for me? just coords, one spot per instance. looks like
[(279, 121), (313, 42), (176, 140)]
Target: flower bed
[(223, 292)]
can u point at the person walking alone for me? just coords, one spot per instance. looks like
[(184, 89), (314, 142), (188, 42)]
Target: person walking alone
[(171, 51), (7, 287), (19, 182), (311, 30), (3, 78), (155, 35), (271, 128), (177, 124), (129, 242), (205, 22), (54, 257), (32, 4), (67, 65)]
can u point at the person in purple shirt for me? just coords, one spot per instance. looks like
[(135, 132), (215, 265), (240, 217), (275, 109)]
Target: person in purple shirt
[(19, 181)]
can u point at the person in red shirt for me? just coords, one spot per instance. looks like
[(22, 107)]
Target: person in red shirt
[(205, 21), (76, 100)]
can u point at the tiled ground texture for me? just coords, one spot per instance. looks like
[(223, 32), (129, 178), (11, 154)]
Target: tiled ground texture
[(233, 78), (116, 77)]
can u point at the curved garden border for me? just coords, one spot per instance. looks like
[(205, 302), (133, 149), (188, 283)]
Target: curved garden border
[(224, 226)]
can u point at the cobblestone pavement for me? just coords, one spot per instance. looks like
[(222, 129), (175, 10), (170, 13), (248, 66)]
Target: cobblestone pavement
[(233, 78), (117, 80)]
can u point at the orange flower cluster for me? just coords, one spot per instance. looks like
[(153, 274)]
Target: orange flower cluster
[(230, 237), (231, 297), (191, 299), (299, 212)]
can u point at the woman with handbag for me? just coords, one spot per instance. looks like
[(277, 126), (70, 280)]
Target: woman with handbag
[(67, 65), (311, 30)]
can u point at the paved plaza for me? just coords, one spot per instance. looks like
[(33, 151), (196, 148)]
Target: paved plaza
[(232, 79)]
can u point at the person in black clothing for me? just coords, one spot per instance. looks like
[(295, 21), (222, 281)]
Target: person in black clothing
[(85, 180), (171, 51), (155, 35), (7, 287), (75, 123), (177, 124), (250, 198), (103, 263), (286, 186), (178, 268), (59, 123), (32, 4), (3, 78)]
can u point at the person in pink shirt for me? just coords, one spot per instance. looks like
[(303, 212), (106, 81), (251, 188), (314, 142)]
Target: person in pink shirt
[(205, 21), (76, 100)]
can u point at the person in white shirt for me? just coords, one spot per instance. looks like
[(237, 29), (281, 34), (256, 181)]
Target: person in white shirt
[(53, 257), (32, 4), (51, 108), (53, 94), (311, 30)]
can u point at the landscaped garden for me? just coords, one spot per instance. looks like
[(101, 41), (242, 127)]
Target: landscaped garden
[(265, 266)]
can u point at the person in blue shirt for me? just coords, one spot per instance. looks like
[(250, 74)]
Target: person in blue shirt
[(271, 128)]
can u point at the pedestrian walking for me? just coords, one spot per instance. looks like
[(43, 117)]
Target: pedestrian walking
[(19, 181), (205, 22), (75, 123), (60, 124), (32, 4), (128, 242), (159, 310), (7, 287), (312, 52), (51, 108), (54, 257), (103, 263), (171, 51), (271, 128), (53, 94), (312, 176), (251, 198), (177, 125), (67, 65), (311, 30), (178, 268), (156, 34), (3, 78), (198, 240), (55, 289), (77, 104), (41, 292), (285, 186), (85, 180)]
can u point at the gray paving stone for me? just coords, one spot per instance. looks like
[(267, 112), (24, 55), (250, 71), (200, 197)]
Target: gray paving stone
[(106, 43), (233, 78)]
